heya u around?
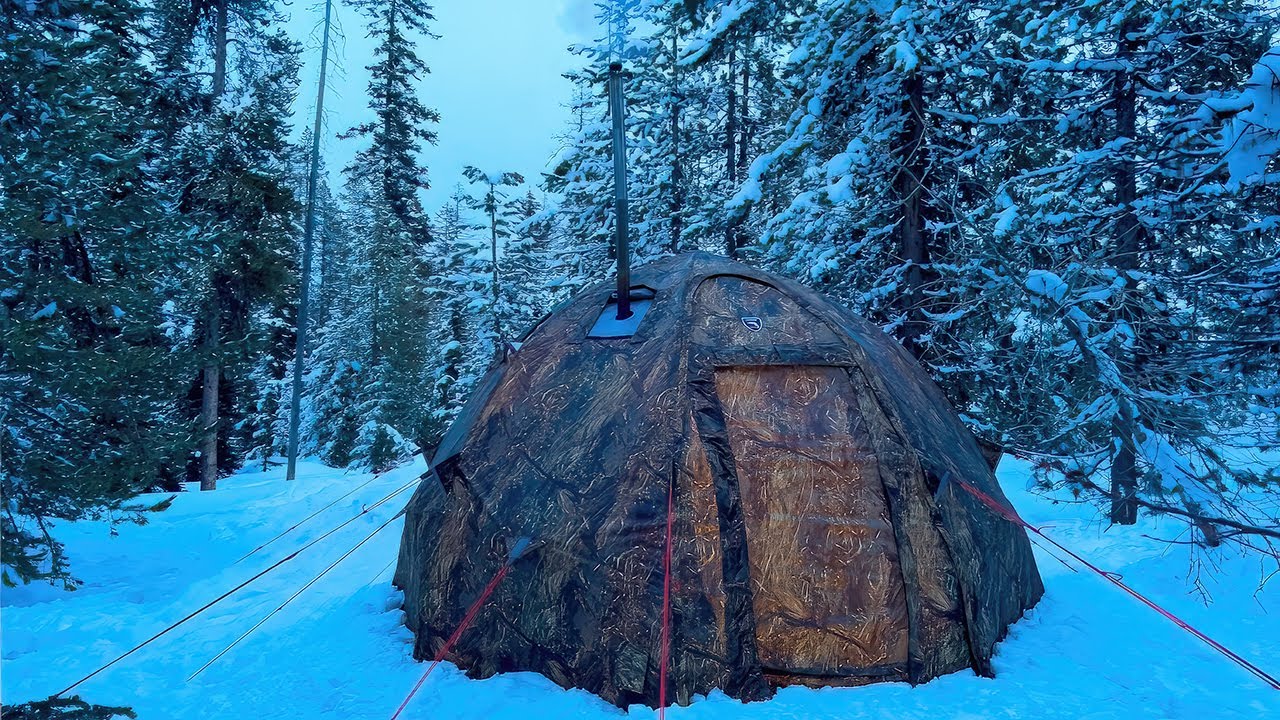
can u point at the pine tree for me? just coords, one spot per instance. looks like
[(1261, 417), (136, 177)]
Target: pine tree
[(581, 241), (264, 432), (228, 158), (402, 121), (457, 281), (374, 363), (869, 166), (527, 260), (582, 180), (1037, 201), (391, 303), (735, 48), (86, 373), (702, 97), (331, 416), (500, 218), (1121, 260)]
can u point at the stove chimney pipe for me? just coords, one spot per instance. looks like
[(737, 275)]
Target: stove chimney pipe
[(621, 245)]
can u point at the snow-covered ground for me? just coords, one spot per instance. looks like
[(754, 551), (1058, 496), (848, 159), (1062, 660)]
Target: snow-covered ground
[(340, 650)]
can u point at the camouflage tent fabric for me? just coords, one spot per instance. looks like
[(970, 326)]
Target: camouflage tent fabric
[(803, 452)]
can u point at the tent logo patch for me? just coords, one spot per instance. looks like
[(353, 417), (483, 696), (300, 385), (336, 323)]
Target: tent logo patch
[(753, 323)]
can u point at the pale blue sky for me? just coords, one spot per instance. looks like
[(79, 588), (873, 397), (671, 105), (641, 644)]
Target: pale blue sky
[(495, 79)]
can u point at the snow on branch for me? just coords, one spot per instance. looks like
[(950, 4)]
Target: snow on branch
[(1252, 140)]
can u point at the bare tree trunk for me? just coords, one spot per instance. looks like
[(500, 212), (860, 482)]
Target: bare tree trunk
[(210, 376), (308, 241), (220, 48), (913, 249), (1124, 470)]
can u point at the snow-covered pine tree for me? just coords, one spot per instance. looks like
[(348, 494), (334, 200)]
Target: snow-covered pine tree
[(527, 266), (393, 240), (331, 244), (581, 219), (875, 170), (657, 139), (87, 379), (499, 221), (458, 283), (582, 241), (333, 380), (660, 111), (582, 180), (380, 346), (265, 428), (227, 158), (730, 66), (401, 121), (1126, 263)]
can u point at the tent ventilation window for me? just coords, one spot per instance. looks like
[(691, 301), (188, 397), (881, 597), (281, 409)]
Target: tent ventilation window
[(608, 325)]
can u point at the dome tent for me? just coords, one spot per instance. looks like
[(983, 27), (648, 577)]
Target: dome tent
[(802, 451)]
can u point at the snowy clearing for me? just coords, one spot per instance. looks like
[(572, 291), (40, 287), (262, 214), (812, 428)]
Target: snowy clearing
[(340, 650)]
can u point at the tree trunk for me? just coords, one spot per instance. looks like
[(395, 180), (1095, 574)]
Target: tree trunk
[(744, 124), (75, 256), (211, 373), (453, 367), (210, 376), (375, 342), (1124, 470), (913, 244), (744, 145), (730, 147), (493, 254), (677, 165), (220, 48)]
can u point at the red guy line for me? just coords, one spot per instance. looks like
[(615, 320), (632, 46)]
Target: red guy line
[(1009, 514), (666, 609), (448, 645)]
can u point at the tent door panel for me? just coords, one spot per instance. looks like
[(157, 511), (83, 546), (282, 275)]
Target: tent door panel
[(828, 593)]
